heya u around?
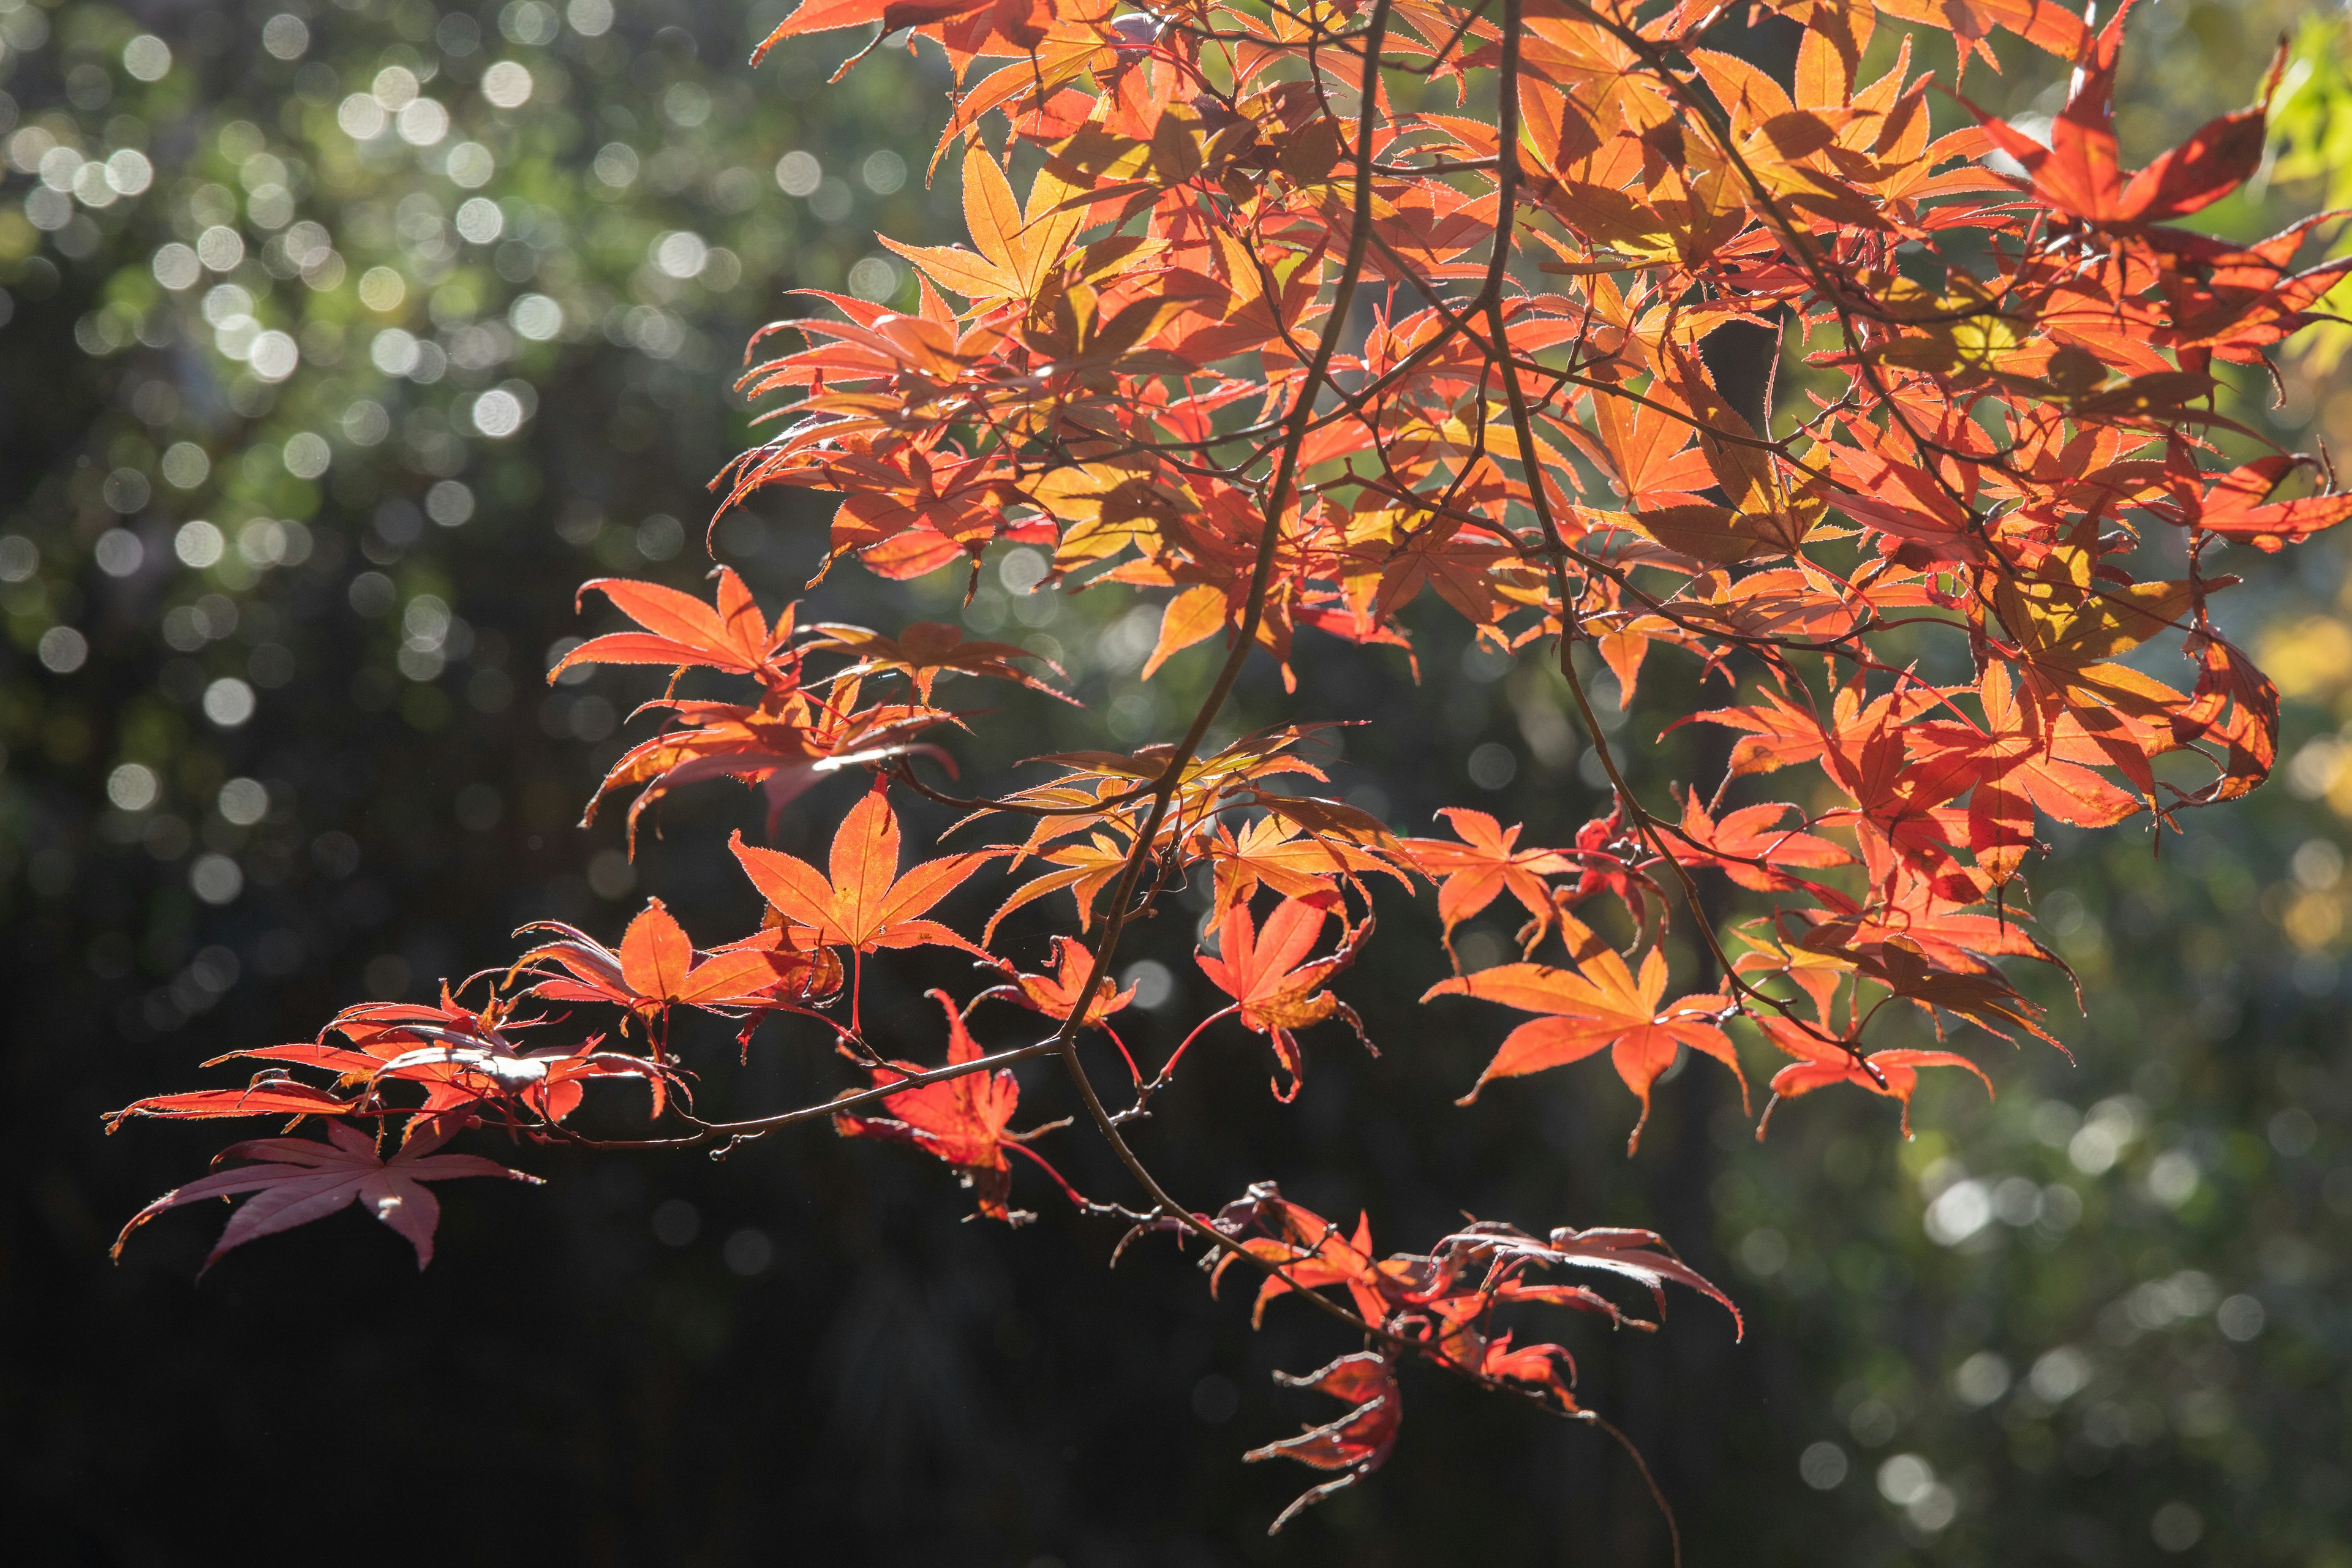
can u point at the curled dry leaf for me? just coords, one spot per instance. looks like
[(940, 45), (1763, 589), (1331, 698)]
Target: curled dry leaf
[(1355, 1444)]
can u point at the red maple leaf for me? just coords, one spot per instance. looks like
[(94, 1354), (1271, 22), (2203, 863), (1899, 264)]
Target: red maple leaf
[(2081, 171), (2028, 756), (298, 1180), (1752, 848), (1307, 1252), (2238, 506), (269, 1094), (927, 649), (464, 1060), (962, 1121), (785, 746), (1274, 987)]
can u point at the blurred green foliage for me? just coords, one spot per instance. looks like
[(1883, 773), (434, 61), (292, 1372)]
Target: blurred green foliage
[(341, 342), (2312, 119)]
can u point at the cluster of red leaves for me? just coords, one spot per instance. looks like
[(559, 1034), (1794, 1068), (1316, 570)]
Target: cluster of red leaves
[(1919, 573), (1441, 1306)]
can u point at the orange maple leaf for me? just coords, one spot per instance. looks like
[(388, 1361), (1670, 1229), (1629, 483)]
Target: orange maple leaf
[(682, 630), (927, 649), (1600, 1005), (1057, 994), (1819, 1063), (1486, 864), (865, 904), (656, 968)]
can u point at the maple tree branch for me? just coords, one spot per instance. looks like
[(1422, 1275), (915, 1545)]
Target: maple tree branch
[(1245, 638), (901, 769), (1556, 549), (964, 422), (1648, 827), (1657, 1496), (1507, 199), (1460, 324), (1144, 1092), (707, 1131), (1066, 1039)]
